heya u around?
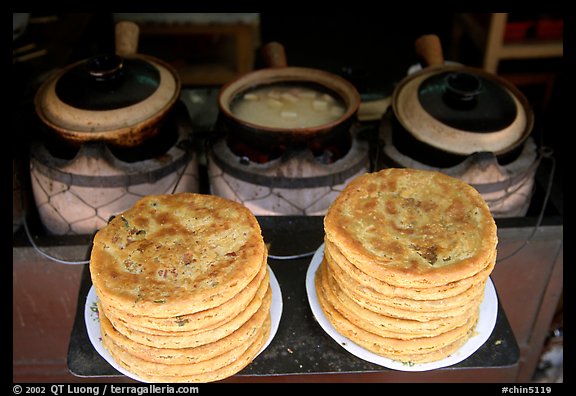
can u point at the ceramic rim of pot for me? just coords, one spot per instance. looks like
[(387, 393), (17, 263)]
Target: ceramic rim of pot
[(269, 76)]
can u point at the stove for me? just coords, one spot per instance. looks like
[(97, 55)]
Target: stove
[(77, 190), (294, 181)]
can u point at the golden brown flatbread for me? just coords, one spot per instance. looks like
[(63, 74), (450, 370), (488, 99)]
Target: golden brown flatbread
[(407, 254), (198, 321), (215, 369), (244, 334), (416, 350), (174, 255), (368, 282), (189, 339), (183, 286), (390, 325), (371, 298), (412, 228)]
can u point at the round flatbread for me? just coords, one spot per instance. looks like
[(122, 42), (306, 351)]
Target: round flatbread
[(369, 283), (217, 368), (198, 321), (417, 350), (176, 254), (243, 335), (194, 338), (412, 228), (381, 322), (371, 298)]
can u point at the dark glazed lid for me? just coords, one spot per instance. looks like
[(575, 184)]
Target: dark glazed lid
[(467, 102), (107, 82)]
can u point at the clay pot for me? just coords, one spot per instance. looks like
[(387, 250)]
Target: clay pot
[(449, 112), (278, 73), (120, 99)]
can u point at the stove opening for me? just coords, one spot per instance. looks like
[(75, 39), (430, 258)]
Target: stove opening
[(331, 149), (61, 149), (250, 152), (326, 149), (153, 147)]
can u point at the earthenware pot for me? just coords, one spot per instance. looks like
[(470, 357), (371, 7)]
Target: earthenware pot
[(120, 99), (278, 72), (449, 112)]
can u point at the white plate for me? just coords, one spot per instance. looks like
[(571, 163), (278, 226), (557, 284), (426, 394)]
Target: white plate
[(92, 321), (486, 323)]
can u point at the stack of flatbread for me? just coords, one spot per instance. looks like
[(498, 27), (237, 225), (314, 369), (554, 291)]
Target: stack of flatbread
[(183, 288), (406, 258)]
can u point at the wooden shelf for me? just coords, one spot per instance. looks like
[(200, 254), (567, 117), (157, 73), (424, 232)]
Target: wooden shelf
[(203, 54), (207, 73), (532, 49), (487, 32)]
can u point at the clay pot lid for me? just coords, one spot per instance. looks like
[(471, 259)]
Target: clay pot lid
[(462, 110), (96, 98), (107, 82)]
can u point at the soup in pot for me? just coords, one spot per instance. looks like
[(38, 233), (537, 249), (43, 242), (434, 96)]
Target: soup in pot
[(287, 106)]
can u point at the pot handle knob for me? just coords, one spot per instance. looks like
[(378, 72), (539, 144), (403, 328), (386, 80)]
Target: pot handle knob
[(429, 50), (126, 36), (105, 67), (462, 90), (274, 55)]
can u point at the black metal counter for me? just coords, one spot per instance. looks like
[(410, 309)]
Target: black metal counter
[(300, 346)]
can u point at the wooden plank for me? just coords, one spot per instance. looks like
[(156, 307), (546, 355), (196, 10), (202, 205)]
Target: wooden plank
[(532, 49), (44, 306), (529, 285)]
